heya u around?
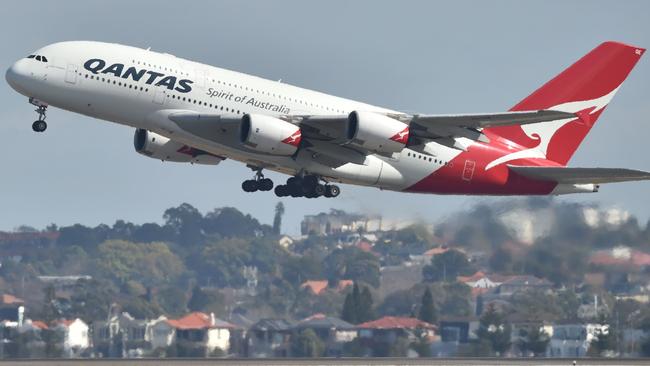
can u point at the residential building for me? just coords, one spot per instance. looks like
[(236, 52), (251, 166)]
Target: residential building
[(334, 332), (76, 339), (269, 338), (378, 335), (202, 331), (573, 340)]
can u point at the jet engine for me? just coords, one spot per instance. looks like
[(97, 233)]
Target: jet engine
[(269, 135), (376, 132), (160, 147)]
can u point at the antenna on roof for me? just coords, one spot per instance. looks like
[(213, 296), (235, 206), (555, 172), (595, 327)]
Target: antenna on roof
[(148, 48)]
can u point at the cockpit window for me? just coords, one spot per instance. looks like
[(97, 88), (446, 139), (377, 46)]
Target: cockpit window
[(40, 58)]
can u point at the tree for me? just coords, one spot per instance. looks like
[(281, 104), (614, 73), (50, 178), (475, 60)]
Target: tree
[(358, 306), (203, 300), (307, 344), (151, 264), (277, 219), (187, 223), (352, 263), (365, 310), (447, 266), (349, 313), (50, 310), (427, 310), (534, 340), (495, 330), (603, 344)]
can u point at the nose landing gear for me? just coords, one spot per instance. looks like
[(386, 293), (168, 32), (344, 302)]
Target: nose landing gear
[(39, 125)]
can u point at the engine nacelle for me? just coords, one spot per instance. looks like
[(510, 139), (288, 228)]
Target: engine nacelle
[(160, 147), (376, 132), (269, 135)]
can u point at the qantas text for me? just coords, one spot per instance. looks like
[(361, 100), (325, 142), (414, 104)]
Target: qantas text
[(97, 66)]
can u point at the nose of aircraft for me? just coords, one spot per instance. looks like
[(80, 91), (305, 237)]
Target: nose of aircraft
[(18, 75)]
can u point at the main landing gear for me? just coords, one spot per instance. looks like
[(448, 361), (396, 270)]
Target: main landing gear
[(39, 125), (259, 183), (307, 186)]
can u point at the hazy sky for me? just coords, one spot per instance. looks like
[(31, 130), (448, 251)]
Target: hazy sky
[(414, 56)]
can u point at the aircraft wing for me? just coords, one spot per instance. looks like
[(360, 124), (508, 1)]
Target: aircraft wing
[(580, 175), (490, 119)]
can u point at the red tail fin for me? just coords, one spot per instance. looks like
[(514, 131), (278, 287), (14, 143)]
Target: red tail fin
[(585, 88)]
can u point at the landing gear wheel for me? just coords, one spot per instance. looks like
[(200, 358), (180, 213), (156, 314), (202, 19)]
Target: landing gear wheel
[(281, 191), (332, 191), (320, 190), (249, 186), (265, 184), (39, 126)]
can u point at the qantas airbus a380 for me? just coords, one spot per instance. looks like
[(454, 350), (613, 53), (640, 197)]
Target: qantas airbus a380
[(185, 111)]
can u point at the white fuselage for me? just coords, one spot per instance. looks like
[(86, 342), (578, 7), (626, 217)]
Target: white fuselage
[(66, 81)]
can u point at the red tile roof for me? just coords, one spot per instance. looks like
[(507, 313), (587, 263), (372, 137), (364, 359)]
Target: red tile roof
[(39, 324), (7, 299), (473, 278), (394, 322), (198, 320), (318, 286)]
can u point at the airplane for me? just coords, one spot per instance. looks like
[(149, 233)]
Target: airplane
[(185, 111)]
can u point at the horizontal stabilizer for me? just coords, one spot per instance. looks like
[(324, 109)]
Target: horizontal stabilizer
[(580, 175)]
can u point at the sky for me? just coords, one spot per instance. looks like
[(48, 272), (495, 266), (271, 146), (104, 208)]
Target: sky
[(413, 56)]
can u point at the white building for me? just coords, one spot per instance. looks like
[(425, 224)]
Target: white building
[(75, 336)]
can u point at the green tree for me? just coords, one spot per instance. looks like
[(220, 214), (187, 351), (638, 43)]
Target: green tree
[(358, 306), (603, 343), (151, 264), (349, 312), (427, 311), (447, 266), (205, 301), (187, 223), (365, 309), (534, 340), (352, 263), (307, 344), (277, 219), (495, 330), (50, 310)]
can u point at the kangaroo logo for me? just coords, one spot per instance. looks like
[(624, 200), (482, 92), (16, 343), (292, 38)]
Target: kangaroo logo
[(543, 132)]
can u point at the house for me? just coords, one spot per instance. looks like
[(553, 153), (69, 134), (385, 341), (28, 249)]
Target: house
[(523, 283), (317, 287), (203, 331), (285, 241), (269, 338), (455, 332), (12, 310), (334, 332), (378, 335), (75, 336), (573, 340), (479, 280), (121, 336)]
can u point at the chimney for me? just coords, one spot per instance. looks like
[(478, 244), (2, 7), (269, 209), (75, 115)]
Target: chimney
[(212, 320)]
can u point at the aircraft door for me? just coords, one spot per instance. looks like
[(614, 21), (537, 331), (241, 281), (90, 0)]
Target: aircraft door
[(468, 170), (159, 95), (71, 74)]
